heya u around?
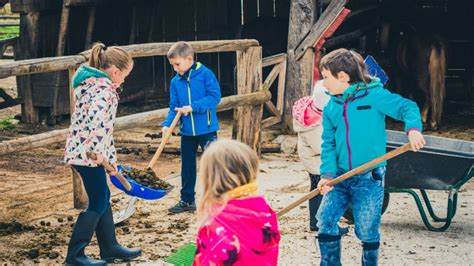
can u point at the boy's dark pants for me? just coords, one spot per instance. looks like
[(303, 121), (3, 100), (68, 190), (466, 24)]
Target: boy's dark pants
[(365, 192), (314, 203), (189, 147)]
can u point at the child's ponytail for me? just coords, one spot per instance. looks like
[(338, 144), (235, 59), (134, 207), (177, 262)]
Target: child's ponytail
[(96, 59), (102, 57)]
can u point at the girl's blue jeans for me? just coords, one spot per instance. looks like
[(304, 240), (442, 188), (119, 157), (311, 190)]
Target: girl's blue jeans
[(365, 192)]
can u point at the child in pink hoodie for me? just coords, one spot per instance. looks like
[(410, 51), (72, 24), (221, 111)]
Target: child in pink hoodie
[(237, 226)]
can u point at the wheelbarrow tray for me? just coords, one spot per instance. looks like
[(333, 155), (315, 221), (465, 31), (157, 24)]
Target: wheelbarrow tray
[(138, 190), (442, 164)]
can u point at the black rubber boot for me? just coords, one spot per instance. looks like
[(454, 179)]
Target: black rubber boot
[(110, 249), (314, 203), (80, 238)]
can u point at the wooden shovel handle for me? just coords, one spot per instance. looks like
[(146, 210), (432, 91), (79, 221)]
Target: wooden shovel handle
[(164, 140), (110, 168), (347, 175)]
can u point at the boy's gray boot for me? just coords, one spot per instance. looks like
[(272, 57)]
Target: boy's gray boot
[(183, 206)]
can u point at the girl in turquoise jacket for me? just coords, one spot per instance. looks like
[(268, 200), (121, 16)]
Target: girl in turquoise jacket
[(353, 134)]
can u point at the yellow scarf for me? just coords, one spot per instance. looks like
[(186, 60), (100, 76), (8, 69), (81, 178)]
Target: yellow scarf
[(246, 190)]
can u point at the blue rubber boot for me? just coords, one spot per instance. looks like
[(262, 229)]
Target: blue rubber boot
[(330, 248), (370, 253)]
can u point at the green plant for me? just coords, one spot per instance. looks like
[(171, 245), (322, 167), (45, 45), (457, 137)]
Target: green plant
[(9, 32), (8, 124)]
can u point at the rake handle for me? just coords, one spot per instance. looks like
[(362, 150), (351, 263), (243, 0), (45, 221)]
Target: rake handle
[(164, 140), (351, 173), (110, 168)]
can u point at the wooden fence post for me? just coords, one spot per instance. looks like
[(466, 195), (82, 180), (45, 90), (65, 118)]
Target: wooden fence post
[(249, 79), (28, 43), (79, 193)]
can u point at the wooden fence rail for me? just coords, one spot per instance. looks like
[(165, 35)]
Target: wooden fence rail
[(127, 122), (51, 64)]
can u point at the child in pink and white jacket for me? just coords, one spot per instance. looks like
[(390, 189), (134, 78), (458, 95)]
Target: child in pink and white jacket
[(237, 227), (95, 104)]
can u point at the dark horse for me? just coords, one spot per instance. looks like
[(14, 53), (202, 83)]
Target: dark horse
[(421, 61)]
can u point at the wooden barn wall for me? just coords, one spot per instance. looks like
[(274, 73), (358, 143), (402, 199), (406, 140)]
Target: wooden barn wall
[(123, 22), (170, 21)]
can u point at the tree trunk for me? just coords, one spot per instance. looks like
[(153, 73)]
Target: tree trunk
[(299, 72)]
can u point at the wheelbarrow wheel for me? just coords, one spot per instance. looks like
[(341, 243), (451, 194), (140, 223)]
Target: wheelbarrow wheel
[(350, 217)]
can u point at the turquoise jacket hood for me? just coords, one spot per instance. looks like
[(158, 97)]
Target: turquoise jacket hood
[(84, 72), (359, 88)]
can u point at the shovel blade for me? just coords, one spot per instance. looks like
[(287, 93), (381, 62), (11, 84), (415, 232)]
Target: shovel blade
[(126, 212)]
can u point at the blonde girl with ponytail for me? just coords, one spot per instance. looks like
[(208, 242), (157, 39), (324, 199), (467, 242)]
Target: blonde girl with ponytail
[(237, 226), (95, 105)]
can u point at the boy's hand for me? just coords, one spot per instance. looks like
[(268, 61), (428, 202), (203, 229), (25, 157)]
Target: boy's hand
[(185, 110), (164, 131), (416, 140), (323, 188)]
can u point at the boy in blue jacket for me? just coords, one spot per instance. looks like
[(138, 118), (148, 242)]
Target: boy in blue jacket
[(353, 134), (194, 91)]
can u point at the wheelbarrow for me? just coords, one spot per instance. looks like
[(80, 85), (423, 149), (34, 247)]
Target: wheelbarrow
[(443, 164), (137, 190)]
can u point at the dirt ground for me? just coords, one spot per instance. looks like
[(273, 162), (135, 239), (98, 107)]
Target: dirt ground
[(41, 201), (36, 212)]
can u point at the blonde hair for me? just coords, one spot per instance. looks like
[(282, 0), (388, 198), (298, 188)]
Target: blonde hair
[(180, 49), (348, 61), (103, 57), (225, 165)]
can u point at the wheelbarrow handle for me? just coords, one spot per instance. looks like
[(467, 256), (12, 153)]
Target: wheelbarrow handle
[(164, 140), (345, 176), (110, 168)]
